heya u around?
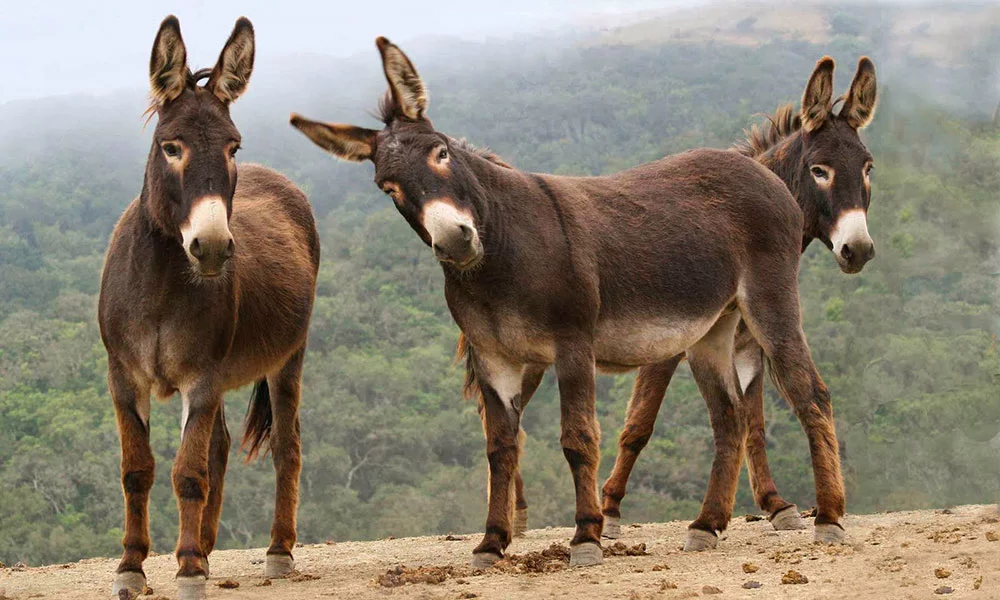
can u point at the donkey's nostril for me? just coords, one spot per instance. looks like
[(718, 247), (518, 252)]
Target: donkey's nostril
[(846, 252), (195, 249), (466, 232), (230, 248), (439, 251), (870, 254)]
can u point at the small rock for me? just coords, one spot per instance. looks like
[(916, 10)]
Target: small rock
[(750, 568), (754, 518), (710, 590), (662, 567), (943, 590), (19, 566), (667, 585), (330, 542), (454, 538), (228, 584), (794, 578), (468, 595), (992, 536), (807, 514), (942, 573), (977, 583), (752, 585), (264, 583), (947, 511)]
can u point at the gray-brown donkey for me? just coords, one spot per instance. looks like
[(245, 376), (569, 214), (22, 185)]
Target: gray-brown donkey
[(615, 272)]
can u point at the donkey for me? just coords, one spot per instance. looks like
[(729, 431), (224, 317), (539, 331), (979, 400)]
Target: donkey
[(208, 285), (821, 158), (614, 272)]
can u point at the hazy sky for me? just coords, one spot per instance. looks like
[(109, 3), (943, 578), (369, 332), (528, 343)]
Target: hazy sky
[(63, 47)]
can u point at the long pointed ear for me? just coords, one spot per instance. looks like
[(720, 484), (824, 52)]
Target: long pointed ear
[(817, 100), (168, 63), (343, 141), (404, 83), (859, 108), (231, 74)]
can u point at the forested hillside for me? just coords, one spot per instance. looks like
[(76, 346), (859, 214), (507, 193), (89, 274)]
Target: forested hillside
[(908, 348)]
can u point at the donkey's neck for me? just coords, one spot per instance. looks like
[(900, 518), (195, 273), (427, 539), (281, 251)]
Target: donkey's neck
[(784, 159)]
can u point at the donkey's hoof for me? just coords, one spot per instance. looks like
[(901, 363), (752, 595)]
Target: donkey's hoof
[(484, 560), (277, 566), (787, 519), (612, 528), (699, 539), (829, 533), (191, 588), (586, 554), (130, 582), (520, 522)]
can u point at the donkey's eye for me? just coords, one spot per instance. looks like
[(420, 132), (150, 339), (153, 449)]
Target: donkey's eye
[(442, 155), (819, 173), (868, 170), (233, 151), (171, 149)]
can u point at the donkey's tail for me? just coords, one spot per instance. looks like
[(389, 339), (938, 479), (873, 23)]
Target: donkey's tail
[(257, 425), (465, 352)]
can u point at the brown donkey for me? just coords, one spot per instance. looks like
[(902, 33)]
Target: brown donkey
[(208, 285), (616, 272), (821, 158)]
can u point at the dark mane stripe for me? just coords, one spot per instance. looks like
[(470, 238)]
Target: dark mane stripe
[(762, 137)]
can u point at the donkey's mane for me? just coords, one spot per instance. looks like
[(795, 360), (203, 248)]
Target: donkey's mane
[(484, 152), (762, 137)]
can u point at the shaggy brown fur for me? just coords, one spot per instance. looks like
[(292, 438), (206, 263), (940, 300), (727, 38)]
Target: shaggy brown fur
[(200, 317)]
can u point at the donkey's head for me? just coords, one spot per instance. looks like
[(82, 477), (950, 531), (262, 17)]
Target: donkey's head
[(425, 172), (835, 166), (191, 171)]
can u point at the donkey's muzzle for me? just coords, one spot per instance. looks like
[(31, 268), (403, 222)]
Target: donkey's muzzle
[(206, 236), (851, 244), (212, 254), (460, 247), (453, 234), (854, 256)]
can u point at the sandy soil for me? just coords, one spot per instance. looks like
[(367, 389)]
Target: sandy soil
[(894, 555)]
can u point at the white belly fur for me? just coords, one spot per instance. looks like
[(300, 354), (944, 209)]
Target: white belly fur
[(648, 341)]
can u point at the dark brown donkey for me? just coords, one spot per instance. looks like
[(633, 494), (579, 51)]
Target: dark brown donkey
[(616, 272), (821, 158), (208, 285)]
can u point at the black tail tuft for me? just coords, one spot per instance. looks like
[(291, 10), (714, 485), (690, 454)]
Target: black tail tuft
[(257, 425), (464, 352)]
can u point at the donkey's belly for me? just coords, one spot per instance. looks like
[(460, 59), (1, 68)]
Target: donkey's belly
[(634, 343)]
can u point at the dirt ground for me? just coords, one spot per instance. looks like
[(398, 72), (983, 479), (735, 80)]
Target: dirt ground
[(918, 554)]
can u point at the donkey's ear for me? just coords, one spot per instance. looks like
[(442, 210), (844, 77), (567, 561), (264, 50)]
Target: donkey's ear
[(405, 85), (168, 63), (343, 141), (859, 108), (231, 74), (817, 101)]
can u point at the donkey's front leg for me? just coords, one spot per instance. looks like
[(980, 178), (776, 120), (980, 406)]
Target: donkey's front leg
[(500, 382), (581, 444), (202, 401), (132, 410)]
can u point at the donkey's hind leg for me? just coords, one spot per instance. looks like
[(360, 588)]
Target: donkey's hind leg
[(285, 388), (712, 365), (131, 402), (772, 314), (647, 396), (218, 459), (529, 385), (782, 514)]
